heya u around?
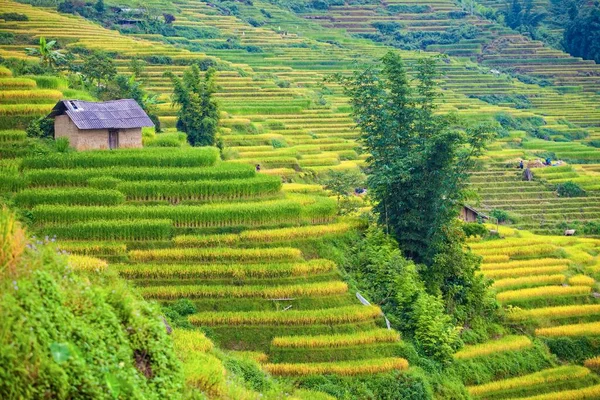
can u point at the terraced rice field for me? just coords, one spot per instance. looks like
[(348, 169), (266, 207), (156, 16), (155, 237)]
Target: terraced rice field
[(234, 242), (546, 287), (234, 256)]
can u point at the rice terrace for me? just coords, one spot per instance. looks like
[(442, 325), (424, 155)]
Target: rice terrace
[(312, 199)]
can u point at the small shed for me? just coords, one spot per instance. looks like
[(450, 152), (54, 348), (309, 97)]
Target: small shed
[(100, 125), (469, 214)]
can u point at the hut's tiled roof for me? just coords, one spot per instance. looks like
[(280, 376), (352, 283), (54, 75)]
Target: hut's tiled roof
[(115, 114)]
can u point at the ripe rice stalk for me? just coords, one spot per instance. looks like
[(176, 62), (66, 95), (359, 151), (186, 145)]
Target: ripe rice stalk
[(541, 292), (545, 377), (175, 192), (593, 363), (339, 315), (25, 95), (24, 109), (590, 392), (219, 255), (113, 230), (577, 310), (540, 262), (503, 244), (507, 343), (347, 368), (536, 249), (338, 340), (249, 291), (219, 271), (85, 263), (518, 272), (94, 248), (264, 236), (582, 280), (496, 258), (186, 341), (29, 198), (16, 83), (584, 329), (204, 372), (528, 281)]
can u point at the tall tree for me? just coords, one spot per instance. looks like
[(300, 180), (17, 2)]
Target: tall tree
[(198, 114), (418, 164), (417, 174)]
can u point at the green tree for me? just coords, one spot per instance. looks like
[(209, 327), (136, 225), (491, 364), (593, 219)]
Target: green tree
[(198, 115), (342, 184), (418, 164), (49, 56), (417, 174), (98, 69), (99, 6), (582, 33)]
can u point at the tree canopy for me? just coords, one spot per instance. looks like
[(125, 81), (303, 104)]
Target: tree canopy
[(198, 115), (418, 162)]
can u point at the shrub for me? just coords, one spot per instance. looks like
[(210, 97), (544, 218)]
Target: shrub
[(570, 189), (82, 339), (41, 127)]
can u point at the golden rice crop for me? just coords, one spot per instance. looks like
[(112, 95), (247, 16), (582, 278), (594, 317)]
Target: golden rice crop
[(536, 280), (496, 258), (24, 109), (536, 249), (582, 280), (540, 262), (205, 372), (507, 343), (593, 363), (585, 329), (339, 340), (5, 72), (94, 248), (517, 272), (541, 292), (506, 243), (24, 95), (214, 271), (223, 255), (338, 315), (186, 341), (267, 292), (577, 310), (85, 263), (590, 392), (348, 368), (264, 236), (544, 377)]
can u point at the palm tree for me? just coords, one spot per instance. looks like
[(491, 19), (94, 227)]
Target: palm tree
[(47, 53)]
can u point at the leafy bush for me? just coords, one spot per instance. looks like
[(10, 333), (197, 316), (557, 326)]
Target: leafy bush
[(71, 339), (570, 189), (41, 127), (503, 216), (473, 229), (11, 16)]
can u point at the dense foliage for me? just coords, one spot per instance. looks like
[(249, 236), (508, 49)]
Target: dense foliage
[(199, 112), (70, 338)]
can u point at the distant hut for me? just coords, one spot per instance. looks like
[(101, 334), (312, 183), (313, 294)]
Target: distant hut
[(100, 125), (469, 214)]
